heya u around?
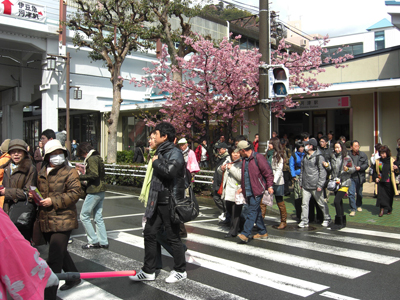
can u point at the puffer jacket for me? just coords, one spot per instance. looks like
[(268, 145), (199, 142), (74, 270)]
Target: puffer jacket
[(312, 176), (170, 168), (62, 185), (336, 169), (295, 163), (95, 174), (17, 184), (232, 178)]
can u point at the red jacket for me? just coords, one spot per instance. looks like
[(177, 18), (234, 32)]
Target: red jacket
[(255, 144), (261, 176), (198, 153)]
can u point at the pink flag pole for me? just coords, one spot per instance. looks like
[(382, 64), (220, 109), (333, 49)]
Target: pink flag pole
[(87, 275)]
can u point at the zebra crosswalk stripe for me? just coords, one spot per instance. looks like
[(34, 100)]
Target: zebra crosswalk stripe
[(86, 290), (334, 250), (277, 281), (371, 233), (186, 289), (358, 241)]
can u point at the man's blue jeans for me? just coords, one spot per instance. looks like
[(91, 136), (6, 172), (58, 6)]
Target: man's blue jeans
[(254, 216), (94, 203), (355, 188)]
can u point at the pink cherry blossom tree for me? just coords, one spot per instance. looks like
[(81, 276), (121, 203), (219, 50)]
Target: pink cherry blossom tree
[(220, 83)]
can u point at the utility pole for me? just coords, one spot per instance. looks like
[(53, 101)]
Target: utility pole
[(263, 108), (68, 87)]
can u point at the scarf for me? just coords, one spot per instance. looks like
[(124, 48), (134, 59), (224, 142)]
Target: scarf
[(185, 154), (157, 185), (270, 153), (144, 194), (384, 167)]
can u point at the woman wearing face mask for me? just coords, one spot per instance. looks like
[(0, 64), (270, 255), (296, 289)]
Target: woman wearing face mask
[(60, 188), (341, 166)]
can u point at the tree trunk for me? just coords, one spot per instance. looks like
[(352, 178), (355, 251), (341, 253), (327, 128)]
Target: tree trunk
[(112, 122)]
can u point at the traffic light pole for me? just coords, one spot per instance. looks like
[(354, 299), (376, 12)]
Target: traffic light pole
[(263, 108)]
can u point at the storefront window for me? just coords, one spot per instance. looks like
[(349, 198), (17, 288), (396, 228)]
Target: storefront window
[(134, 133)]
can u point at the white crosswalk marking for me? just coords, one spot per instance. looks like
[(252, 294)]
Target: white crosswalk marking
[(344, 252), (284, 258), (358, 241), (85, 290), (337, 296), (186, 289), (371, 233), (274, 280)]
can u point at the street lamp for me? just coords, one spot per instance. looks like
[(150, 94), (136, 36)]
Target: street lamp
[(77, 93), (51, 63)]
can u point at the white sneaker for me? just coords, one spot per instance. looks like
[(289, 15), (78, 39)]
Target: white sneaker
[(175, 276), (326, 223), (302, 224), (352, 213), (142, 276), (222, 217), (359, 209)]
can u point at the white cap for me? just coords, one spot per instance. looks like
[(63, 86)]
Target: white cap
[(182, 141)]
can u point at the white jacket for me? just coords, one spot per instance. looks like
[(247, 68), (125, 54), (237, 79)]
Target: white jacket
[(232, 179), (277, 168)]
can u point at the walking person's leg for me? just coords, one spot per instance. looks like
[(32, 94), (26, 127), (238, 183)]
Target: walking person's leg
[(88, 206), (304, 208), (352, 198), (98, 218)]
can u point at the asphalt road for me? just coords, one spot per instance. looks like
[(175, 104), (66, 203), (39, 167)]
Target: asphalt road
[(314, 263)]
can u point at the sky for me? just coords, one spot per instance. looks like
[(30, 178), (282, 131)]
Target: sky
[(336, 18)]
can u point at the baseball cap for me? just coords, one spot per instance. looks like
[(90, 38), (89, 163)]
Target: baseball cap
[(243, 145), (311, 141), (221, 145), (182, 141)]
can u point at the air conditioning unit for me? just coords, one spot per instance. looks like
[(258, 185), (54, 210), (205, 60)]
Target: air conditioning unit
[(303, 43)]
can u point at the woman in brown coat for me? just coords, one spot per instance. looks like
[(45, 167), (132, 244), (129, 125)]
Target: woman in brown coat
[(19, 175), (60, 188)]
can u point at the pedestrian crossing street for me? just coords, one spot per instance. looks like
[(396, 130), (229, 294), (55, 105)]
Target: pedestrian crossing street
[(278, 264)]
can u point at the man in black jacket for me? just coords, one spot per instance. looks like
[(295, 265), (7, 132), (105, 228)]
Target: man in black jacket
[(360, 161), (167, 183)]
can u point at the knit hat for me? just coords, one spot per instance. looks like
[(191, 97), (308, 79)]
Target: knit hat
[(4, 146), (17, 144), (52, 146)]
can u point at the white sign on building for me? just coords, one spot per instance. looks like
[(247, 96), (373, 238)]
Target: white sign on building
[(22, 10), (322, 103)]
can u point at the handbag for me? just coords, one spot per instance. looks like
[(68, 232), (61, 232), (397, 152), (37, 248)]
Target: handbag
[(333, 185), (22, 214), (37, 234), (239, 199), (267, 198), (184, 210)]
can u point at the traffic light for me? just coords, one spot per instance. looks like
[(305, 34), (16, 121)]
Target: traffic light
[(278, 78)]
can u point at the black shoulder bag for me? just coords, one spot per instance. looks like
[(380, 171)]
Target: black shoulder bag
[(187, 209)]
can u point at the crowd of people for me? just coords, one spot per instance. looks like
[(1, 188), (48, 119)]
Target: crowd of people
[(243, 183), (39, 193)]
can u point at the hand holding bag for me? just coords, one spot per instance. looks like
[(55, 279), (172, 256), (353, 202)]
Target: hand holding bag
[(267, 198)]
